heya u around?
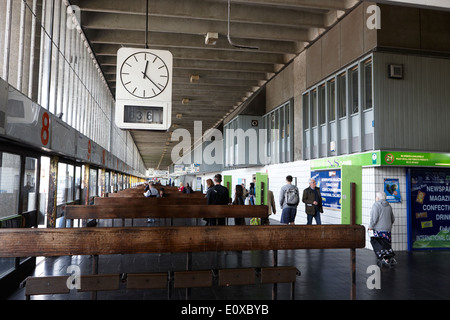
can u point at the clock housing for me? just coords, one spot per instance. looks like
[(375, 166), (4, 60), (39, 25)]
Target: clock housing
[(144, 89)]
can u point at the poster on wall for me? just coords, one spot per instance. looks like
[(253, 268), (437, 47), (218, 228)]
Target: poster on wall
[(329, 182), (430, 208), (392, 190)]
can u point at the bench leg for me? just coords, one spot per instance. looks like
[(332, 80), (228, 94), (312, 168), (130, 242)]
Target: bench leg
[(353, 273), (188, 268), (94, 271), (275, 264)]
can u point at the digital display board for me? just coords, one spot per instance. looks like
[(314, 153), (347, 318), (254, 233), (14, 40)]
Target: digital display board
[(143, 114)]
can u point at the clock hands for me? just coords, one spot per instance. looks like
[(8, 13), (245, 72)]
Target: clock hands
[(145, 76), (145, 69)]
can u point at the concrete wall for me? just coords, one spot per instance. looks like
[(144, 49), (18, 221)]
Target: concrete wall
[(414, 28)]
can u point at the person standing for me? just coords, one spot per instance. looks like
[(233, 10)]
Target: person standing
[(217, 195), (271, 207), (313, 202), (239, 200), (252, 194), (381, 217), (381, 221), (289, 199)]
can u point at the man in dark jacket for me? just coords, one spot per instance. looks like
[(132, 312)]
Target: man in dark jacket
[(313, 202), (217, 195)]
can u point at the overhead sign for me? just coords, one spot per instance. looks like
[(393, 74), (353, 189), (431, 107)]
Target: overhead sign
[(361, 159), (399, 158)]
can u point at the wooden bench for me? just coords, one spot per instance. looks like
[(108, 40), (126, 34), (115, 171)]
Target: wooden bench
[(162, 211), (134, 240), (163, 280)]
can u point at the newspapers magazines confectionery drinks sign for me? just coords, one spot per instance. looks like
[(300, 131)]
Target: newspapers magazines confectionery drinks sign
[(430, 208)]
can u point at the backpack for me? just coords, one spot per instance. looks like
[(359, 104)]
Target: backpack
[(291, 197)]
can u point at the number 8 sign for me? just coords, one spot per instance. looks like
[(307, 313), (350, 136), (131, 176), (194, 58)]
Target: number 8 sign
[(45, 134)]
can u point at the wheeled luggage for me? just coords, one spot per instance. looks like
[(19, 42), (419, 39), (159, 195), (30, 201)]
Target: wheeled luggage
[(383, 251)]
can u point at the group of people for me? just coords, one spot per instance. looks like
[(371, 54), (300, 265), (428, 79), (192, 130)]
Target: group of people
[(290, 199), (151, 191), (218, 194), (185, 189), (381, 216)]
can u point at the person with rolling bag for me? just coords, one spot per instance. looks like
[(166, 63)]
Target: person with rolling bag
[(381, 220)]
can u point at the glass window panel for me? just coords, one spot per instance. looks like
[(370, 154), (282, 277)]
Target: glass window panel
[(9, 199), (43, 191), (368, 85), (61, 194), (69, 183), (314, 108), (29, 184), (332, 100), (342, 96), (288, 122), (93, 182), (107, 183), (306, 111), (354, 94), (77, 183), (322, 115), (9, 184)]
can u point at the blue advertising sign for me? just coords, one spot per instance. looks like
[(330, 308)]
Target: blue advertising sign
[(392, 190), (430, 208), (329, 182)]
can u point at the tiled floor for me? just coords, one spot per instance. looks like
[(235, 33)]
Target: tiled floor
[(325, 275)]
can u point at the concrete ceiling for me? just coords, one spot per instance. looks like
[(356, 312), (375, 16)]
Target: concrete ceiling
[(228, 75)]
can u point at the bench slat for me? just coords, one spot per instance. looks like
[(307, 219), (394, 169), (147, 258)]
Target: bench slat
[(31, 242), (147, 281), (99, 282), (164, 211), (193, 279), (237, 277), (46, 285), (279, 274)]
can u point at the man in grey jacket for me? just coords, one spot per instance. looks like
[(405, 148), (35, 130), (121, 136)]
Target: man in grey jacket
[(288, 193), (381, 217)]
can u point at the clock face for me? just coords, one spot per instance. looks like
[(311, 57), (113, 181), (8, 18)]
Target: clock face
[(144, 75)]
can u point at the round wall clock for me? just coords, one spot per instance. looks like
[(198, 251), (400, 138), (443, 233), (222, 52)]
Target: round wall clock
[(144, 75)]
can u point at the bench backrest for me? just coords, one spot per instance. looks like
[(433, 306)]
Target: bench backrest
[(30, 242), (164, 211), (176, 194), (146, 202)]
